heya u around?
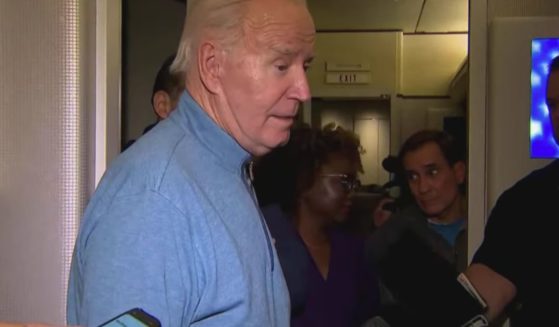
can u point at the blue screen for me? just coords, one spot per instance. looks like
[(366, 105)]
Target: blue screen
[(541, 132)]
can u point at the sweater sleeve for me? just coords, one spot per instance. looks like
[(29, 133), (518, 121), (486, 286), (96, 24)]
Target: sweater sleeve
[(139, 254)]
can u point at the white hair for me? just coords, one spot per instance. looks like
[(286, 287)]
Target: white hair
[(222, 18)]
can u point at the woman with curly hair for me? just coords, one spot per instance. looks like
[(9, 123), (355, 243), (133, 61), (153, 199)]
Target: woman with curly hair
[(305, 191)]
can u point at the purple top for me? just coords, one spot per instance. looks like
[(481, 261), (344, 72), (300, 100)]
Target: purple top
[(350, 294)]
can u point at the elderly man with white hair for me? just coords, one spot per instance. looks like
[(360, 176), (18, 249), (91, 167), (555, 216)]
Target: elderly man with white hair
[(174, 227)]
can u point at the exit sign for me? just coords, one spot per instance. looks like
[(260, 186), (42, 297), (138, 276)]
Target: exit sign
[(348, 78)]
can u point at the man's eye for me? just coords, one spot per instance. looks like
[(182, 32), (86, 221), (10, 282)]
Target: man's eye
[(282, 68), (433, 171), (412, 177), (306, 67), (345, 181)]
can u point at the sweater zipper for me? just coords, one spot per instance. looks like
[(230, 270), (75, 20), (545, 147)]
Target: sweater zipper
[(249, 177)]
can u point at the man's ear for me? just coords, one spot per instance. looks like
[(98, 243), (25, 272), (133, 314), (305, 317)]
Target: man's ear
[(209, 65), (459, 169), (162, 104)]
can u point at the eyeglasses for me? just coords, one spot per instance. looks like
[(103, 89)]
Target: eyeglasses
[(348, 182)]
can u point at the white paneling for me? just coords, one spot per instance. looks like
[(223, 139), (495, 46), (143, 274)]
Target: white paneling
[(458, 88), (403, 15), (414, 118), (365, 15), (436, 116), (522, 8), (380, 51), (414, 115), (57, 74), (444, 16), (368, 130), (374, 134), (108, 72), (430, 62), (42, 149), (477, 204)]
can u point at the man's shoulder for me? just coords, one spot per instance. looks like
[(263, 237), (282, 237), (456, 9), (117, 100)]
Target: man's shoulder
[(145, 160), (545, 174), (167, 144), (538, 180), (153, 163), (533, 193)]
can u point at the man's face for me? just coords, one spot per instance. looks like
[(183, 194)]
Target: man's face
[(433, 182), (263, 80), (552, 98)]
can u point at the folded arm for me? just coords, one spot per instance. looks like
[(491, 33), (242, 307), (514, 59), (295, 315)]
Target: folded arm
[(497, 291)]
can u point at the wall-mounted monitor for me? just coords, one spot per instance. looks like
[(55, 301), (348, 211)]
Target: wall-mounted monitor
[(542, 143), (517, 55)]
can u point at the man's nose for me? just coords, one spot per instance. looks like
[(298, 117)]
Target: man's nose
[(423, 185), (301, 88)]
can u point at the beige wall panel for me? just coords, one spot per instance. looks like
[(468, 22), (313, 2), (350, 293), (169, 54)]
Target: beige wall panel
[(430, 62), (380, 51)]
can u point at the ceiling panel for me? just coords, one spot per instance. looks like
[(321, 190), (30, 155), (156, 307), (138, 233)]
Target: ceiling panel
[(444, 16), (428, 16), (366, 14)]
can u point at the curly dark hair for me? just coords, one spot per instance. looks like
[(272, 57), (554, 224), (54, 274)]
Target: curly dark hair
[(285, 173)]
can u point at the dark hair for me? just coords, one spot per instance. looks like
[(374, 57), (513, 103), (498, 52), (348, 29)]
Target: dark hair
[(166, 81), (285, 173), (554, 65), (450, 150)]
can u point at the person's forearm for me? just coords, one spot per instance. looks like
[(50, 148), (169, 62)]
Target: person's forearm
[(497, 291)]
